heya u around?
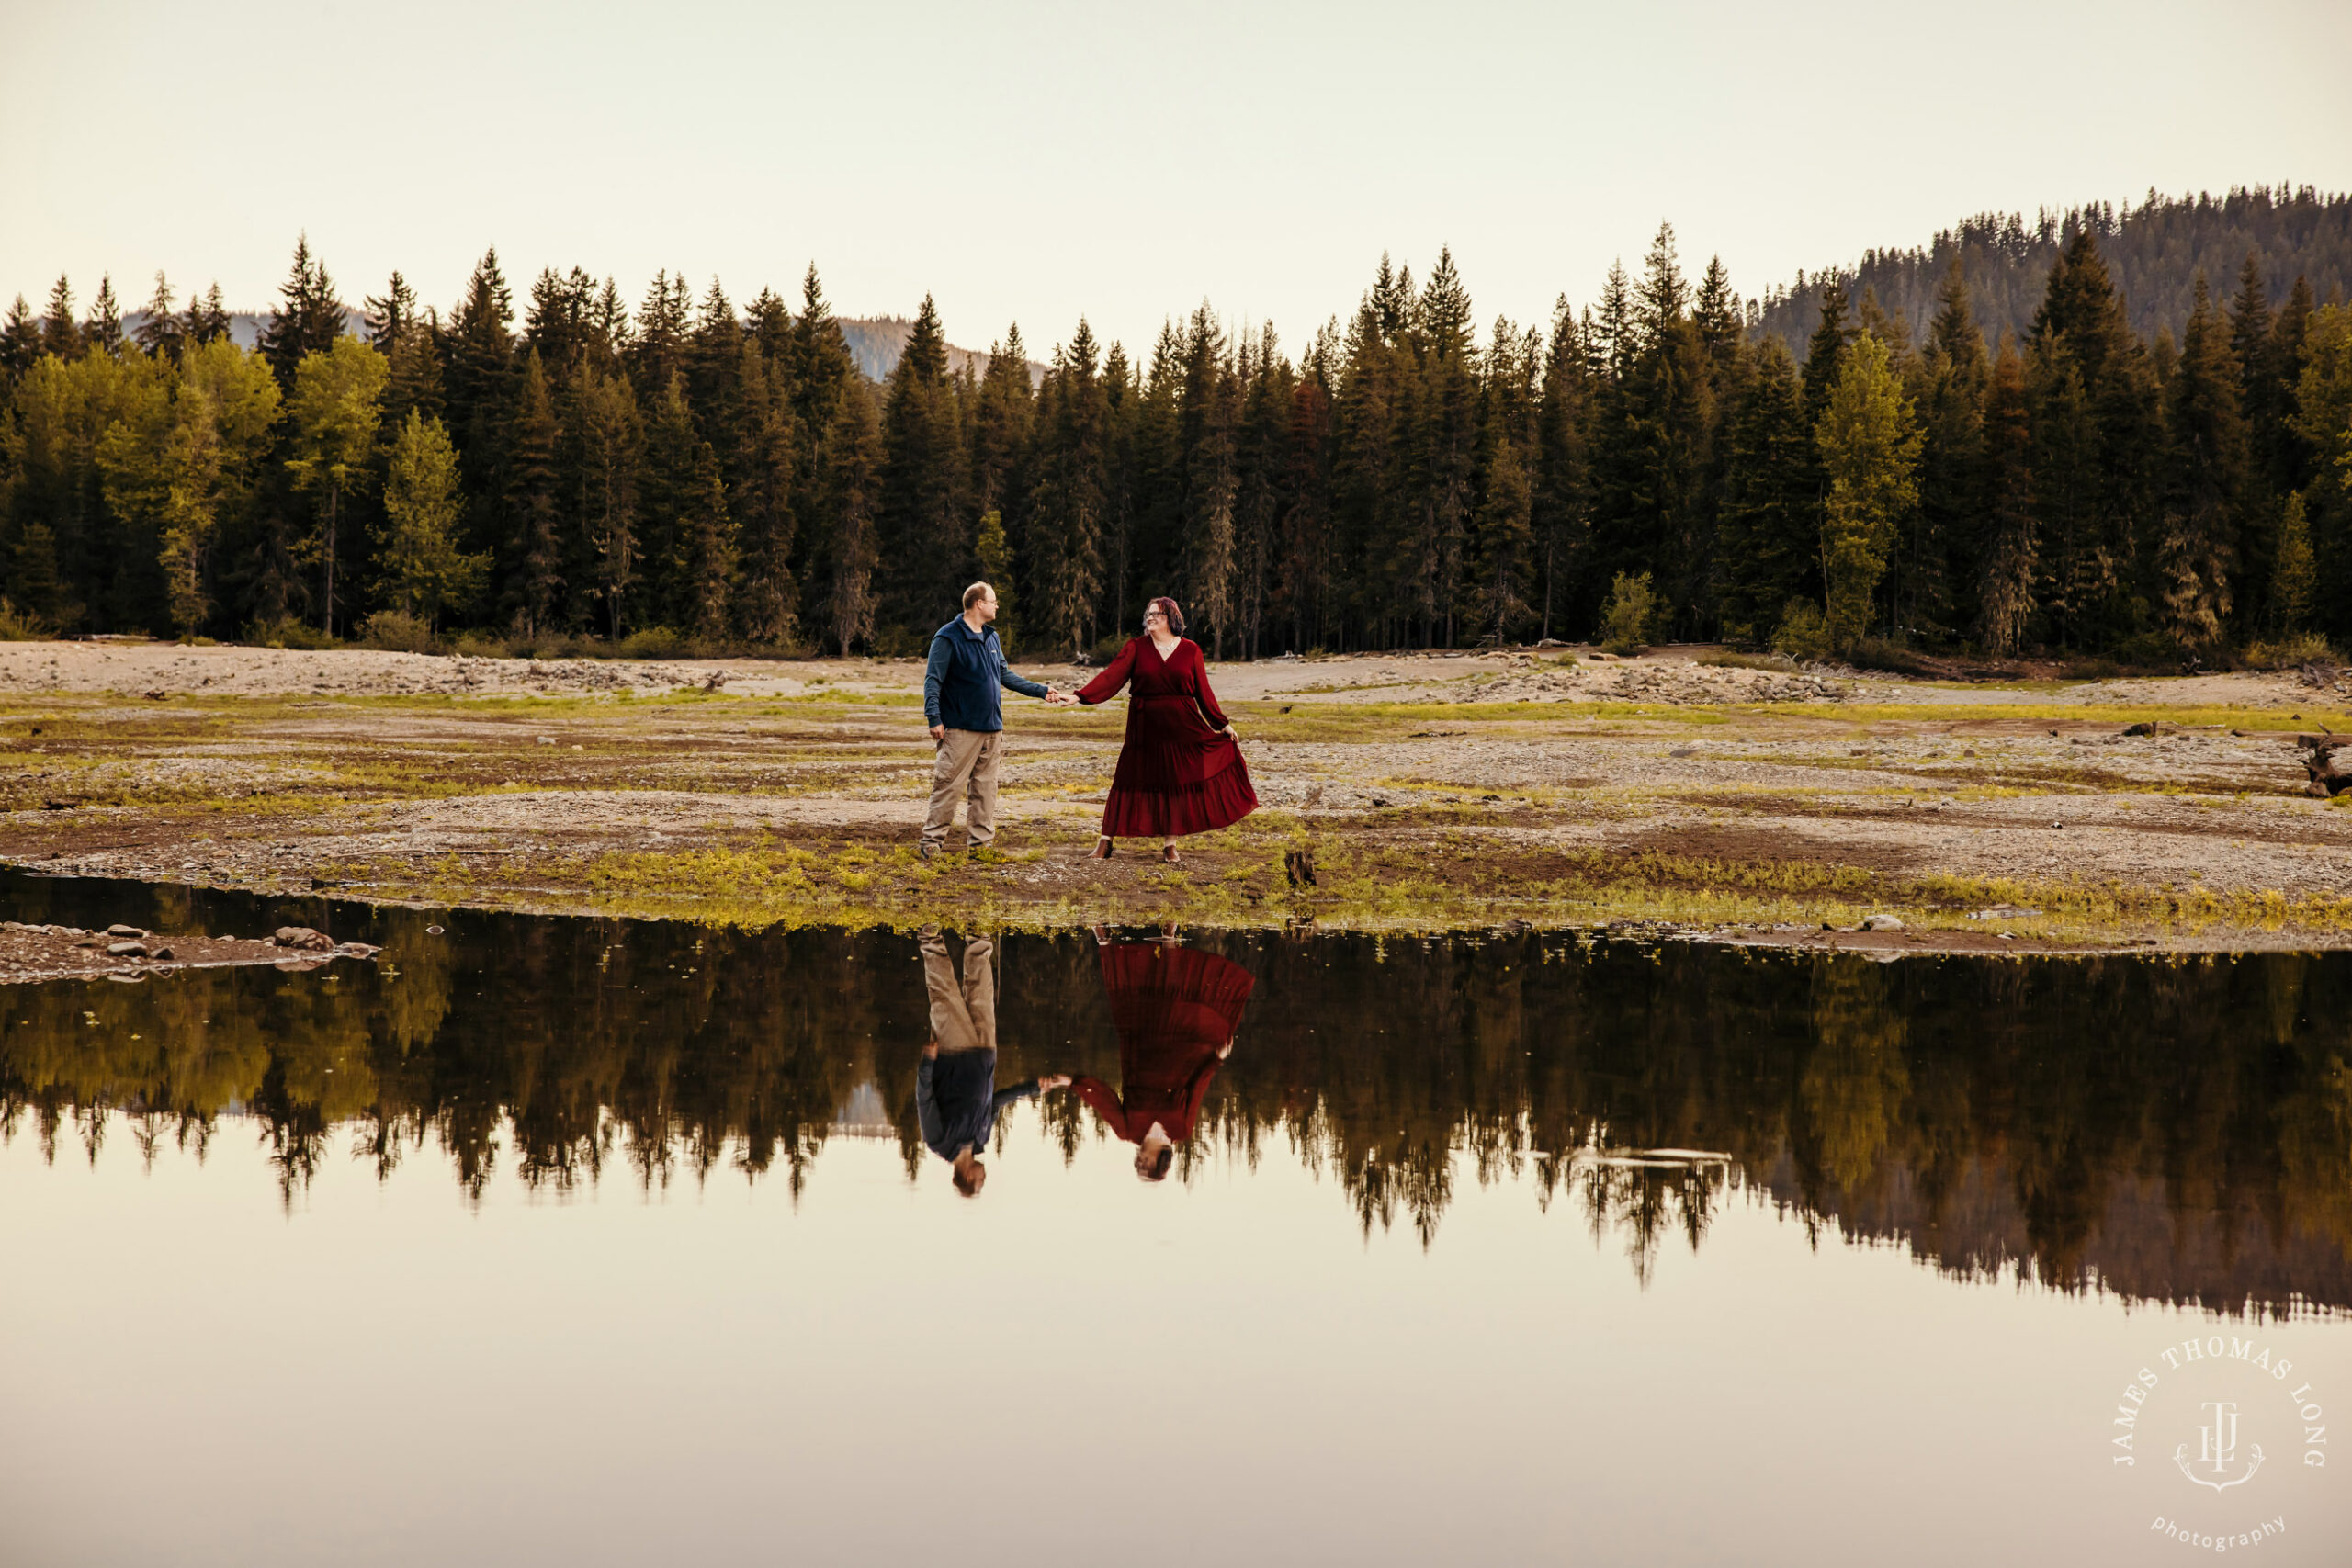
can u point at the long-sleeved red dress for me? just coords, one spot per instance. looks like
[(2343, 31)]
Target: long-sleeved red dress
[(1174, 1009), (1177, 774)]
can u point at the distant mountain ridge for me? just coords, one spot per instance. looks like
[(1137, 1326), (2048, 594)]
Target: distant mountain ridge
[(876, 342), (2155, 253)]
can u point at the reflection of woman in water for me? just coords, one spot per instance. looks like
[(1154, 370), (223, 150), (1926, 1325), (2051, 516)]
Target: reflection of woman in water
[(1176, 1010)]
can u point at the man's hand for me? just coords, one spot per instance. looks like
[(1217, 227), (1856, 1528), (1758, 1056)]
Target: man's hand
[(931, 1050), (939, 733), (1053, 1080)]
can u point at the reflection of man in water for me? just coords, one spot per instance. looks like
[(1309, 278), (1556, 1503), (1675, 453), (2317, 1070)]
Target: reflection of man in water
[(956, 1092), (1176, 1010)]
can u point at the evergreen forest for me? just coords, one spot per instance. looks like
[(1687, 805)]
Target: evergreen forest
[(1991, 447)]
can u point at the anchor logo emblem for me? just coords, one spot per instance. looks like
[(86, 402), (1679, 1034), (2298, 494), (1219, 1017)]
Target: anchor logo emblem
[(2217, 1450)]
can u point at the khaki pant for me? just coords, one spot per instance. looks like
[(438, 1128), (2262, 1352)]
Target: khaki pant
[(967, 765), (962, 1018)]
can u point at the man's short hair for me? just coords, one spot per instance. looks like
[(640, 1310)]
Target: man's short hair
[(974, 594)]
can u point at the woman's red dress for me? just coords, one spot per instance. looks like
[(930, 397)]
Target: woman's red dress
[(1174, 1009), (1177, 774)]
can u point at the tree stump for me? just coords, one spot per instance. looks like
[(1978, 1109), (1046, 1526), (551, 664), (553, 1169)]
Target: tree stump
[(2331, 775)]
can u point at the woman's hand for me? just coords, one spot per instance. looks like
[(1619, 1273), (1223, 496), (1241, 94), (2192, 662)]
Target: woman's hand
[(1053, 1080)]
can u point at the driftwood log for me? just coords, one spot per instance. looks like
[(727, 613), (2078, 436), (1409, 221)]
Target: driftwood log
[(2331, 773)]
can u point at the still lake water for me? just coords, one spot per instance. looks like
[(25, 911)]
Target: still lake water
[(587, 1242)]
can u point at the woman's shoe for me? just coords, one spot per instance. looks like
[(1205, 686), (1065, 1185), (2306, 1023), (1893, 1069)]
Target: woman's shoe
[(1168, 852), (1103, 847)]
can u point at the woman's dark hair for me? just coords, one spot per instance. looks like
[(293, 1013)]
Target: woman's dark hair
[(1167, 607)]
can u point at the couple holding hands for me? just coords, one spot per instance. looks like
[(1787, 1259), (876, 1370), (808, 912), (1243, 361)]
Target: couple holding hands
[(1180, 772), (1180, 769)]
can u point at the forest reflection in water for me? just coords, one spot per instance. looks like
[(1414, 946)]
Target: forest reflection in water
[(2173, 1131)]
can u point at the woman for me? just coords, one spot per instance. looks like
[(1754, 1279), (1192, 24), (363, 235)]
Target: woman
[(1180, 769), (1176, 1010)]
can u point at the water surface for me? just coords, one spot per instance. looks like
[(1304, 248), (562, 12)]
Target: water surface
[(584, 1241)]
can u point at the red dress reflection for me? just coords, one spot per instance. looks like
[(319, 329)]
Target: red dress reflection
[(1175, 1009)]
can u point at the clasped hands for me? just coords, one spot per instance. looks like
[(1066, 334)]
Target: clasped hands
[(1061, 699)]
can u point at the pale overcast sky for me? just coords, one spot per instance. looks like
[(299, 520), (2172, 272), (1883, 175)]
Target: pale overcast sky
[(1037, 160)]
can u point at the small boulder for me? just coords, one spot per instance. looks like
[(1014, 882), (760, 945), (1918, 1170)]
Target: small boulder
[(303, 939), (1882, 923), (162, 953), (125, 930), (126, 950)]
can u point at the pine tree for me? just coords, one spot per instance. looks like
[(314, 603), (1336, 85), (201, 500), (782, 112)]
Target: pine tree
[(1505, 544), (1068, 503), (1869, 444), (1771, 543), (609, 450), (535, 583), (2262, 398), (2081, 332), (20, 344), (1006, 409), (2205, 495), (389, 314), (852, 482), (658, 350), (2280, 445), (207, 321), (2294, 576), (1826, 355), (308, 318), (925, 534), (478, 379), (2011, 553), (425, 571), (1561, 499), (760, 497), (1207, 410), (160, 332), (336, 408), (1650, 510), (60, 334), (686, 538), (714, 362), (103, 331), (1941, 548), (559, 324)]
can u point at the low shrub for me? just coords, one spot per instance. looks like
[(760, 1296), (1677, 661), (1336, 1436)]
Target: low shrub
[(1803, 632), (23, 626), (397, 631), (481, 645), (1878, 653), (1625, 619), (652, 642), (288, 632), (2291, 652), (1730, 659)]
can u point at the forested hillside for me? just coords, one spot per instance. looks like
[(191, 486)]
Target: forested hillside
[(563, 466), (2153, 254)]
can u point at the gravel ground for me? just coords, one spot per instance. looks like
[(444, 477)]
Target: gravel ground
[(248, 767)]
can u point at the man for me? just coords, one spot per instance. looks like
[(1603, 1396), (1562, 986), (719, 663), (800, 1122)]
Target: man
[(966, 717), (955, 1094)]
